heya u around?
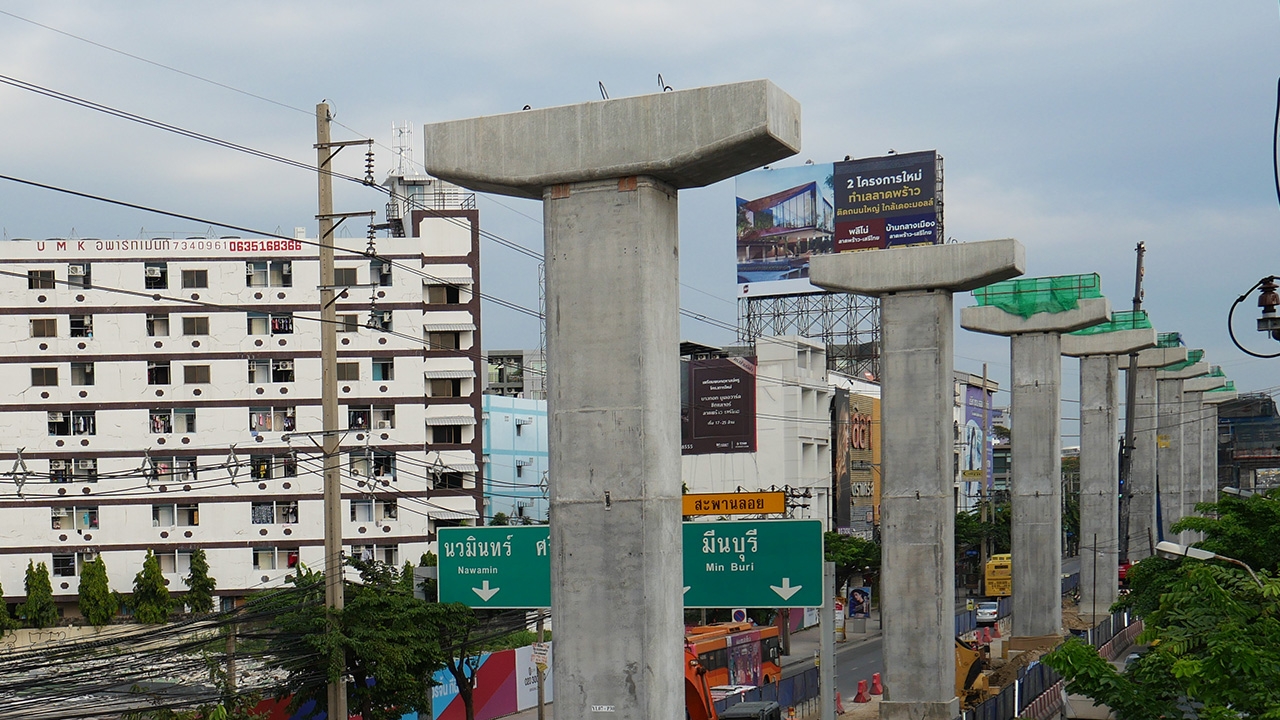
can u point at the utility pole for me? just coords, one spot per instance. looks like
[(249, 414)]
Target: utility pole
[(333, 598), (1130, 400), (982, 484)]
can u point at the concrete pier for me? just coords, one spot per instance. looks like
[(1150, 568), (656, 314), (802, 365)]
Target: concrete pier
[(915, 287), (1194, 393), (1210, 438), (1177, 460), (1035, 490), (1099, 471), (608, 173), (1140, 491)]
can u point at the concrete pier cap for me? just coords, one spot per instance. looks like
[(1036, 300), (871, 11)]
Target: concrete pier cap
[(1191, 371), (1203, 384), (994, 321), (1158, 357), (957, 267), (1217, 398), (686, 138), (1120, 342)]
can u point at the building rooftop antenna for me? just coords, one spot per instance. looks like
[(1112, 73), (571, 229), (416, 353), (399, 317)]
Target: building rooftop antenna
[(403, 147)]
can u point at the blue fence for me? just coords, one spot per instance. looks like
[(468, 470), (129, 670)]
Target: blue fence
[(786, 692)]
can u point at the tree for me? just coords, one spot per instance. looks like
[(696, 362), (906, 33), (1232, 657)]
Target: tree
[(500, 519), (1247, 529), (151, 602), (200, 586), (851, 555), (97, 604), (39, 610), (7, 622)]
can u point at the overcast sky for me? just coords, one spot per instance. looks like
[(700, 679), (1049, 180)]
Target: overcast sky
[(1078, 128)]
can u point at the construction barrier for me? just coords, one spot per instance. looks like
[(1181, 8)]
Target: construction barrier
[(862, 696), (876, 687)]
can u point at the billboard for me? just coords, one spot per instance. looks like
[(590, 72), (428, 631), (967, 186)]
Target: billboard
[(787, 215), (718, 406), (976, 439), (856, 436)]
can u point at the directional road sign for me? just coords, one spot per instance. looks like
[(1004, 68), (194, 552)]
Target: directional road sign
[(753, 563), (498, 566), (757, 503)]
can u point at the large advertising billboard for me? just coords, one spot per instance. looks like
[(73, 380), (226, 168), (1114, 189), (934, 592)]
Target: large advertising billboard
[(787, 215), (856, 473), (976, 438), (718, 406)]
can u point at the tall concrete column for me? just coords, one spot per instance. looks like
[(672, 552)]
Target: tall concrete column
[(1099, 471), (608, 173), (1035, 490), (1192, 462), (1140, 491), (1211, 402), (1196, 393), (915, 287), (1175, 461)]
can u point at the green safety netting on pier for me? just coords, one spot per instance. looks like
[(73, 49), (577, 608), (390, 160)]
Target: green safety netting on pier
[(1216, 371), (1027, 296), (1193, 357), (1122, 320), (1168, 340), (1229, 387)]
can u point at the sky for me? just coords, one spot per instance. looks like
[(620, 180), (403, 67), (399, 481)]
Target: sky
[(1078, 128)]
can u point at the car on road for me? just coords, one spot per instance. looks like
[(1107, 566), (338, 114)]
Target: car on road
[(987, 612)]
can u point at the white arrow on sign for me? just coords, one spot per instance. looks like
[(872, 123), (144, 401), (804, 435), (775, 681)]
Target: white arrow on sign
[(485, 592), (786, 591), (686, 588)]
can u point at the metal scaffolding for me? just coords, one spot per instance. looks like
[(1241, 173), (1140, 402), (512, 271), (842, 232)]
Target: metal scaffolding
[(849, 325)]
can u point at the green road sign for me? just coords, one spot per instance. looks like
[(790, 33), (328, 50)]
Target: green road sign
[(755, 563), (500, 566)]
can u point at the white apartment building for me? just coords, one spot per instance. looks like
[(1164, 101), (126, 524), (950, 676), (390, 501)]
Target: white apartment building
[(164, 394)]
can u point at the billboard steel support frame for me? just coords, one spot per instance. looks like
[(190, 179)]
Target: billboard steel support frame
[(848, 324)]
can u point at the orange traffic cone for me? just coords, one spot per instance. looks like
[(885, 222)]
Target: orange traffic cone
[(995, 630), (862, 696), (839, 705), (986, 636), (876, 687)]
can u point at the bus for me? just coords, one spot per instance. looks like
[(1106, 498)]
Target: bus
[(998, 576), (733, 653)]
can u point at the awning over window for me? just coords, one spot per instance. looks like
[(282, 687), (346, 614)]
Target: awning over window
[(449, 374), (433, 420)]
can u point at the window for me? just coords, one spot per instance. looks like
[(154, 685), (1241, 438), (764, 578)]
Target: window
[(443, 295), (269, 324), (44, 376), (82, 326), (380, 272), (344, 277), (158, 372), (195, 278), (266, 467), (155, 276), (76, 422), (81, 373), (378, 464), (446, 434), (64, 564), (259, 370), (60, 471), (281, 371), (446, 388), (268, 419), (195, 374), (174, 562), (369, 510), (348, 323), (75, 518), (364, 417), (171, 515), (381, 320), (172, 469), (162, 421), (277, 273), (442, 341), (271, 558), (182, 420), (449, 481), (255, 274), (346, 371), (44, 327), (84, 470), (195, 326), (388, 554), (78, 275), (157, 325), (40, 279), (274, 512), (384, 370)]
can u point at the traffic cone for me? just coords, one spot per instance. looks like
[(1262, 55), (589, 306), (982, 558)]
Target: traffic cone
[(862, 696), (995, 630), (986, 636), (876, 687), (839, 705), (791, 713)]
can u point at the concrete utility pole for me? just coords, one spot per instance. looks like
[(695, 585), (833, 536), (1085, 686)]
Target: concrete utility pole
[(333, 597), (1035, 349), (1176, 462), (608, 173), (915, 287), (1140, 488), (1130, 402), (1099, 511), (983, 549)]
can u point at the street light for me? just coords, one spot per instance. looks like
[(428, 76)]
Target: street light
[(1174, 551), (1238, 492)]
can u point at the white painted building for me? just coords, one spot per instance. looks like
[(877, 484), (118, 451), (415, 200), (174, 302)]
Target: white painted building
[(793, 432), (165, 394)]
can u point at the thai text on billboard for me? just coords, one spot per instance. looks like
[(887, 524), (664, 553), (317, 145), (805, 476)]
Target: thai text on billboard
[(887, 202), (718, 406)]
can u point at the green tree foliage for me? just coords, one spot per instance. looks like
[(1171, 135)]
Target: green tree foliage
[(39, 610), (971, 530), (97, 603), (851, 555), (200, 586), (500, 519), (382, 633), (7, 622), (151, 602), (1247, 529)]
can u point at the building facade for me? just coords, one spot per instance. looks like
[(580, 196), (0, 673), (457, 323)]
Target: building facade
[(515, 458), (164, 394)]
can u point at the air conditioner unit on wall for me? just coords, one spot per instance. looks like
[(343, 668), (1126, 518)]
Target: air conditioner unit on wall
[(287, 268), (86, 464), (56, 417), (384, 424), (285, 365), (75, 270), (153, 272)]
